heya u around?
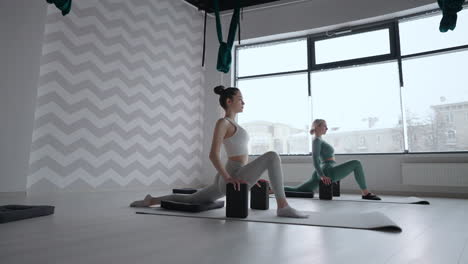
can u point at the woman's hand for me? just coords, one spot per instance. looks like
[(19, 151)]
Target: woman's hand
[(235, 182), (326, 180)]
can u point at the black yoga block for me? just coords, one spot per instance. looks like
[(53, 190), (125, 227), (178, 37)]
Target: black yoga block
[(194, 208), (259, 198), (336, 188), (325, 191), (237, 201), (184, 190), (299, 194), (13, 212)]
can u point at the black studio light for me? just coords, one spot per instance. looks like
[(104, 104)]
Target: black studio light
[(217, 6), (224, 5)]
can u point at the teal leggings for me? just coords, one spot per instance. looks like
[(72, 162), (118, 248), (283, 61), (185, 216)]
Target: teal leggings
[(336, 173)]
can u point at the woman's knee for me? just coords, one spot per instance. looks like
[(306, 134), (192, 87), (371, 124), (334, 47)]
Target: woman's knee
[(272, 155), (315, 175), (356, 163)]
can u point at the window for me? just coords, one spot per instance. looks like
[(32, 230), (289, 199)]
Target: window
[(272, 58), (449, 117), (362, 143), (434, 113), (359, 100), (451, 140), (392, 87), (451, 135), (355, 46), (422, 34), (277, 109)]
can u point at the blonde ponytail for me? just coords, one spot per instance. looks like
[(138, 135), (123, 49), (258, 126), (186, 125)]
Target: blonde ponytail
[(315, 124)]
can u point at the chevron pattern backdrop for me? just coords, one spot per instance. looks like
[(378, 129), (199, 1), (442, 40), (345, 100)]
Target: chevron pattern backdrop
[(120, 98)]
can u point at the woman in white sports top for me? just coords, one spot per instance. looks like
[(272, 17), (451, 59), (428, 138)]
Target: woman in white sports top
[(237, 170)]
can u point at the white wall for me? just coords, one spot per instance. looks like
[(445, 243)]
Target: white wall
[(159, 105), (21, 30), (383, 171), (120, 98)]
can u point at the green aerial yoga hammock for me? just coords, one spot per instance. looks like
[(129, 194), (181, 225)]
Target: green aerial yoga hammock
[(63, 5), (224, 52), (449, 11)]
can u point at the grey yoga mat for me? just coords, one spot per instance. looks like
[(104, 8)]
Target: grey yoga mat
[(371, 221), (14, 212), (385, 199)]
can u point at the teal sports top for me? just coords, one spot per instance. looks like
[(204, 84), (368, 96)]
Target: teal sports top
[(321, 151)]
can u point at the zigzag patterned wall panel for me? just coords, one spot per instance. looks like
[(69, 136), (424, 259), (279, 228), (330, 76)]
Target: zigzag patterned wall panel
[(120, 97)]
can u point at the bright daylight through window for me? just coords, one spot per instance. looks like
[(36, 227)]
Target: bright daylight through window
[(390, 88)]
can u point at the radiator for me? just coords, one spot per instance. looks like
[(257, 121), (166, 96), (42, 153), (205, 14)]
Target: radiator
[(435, 174)]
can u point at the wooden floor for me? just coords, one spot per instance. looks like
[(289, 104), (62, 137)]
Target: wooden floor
[(101, 228)]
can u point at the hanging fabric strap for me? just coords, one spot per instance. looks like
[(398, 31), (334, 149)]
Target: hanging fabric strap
[(224, 52), (62, 5), (238, 35), (204, 43), (241, 18), (449, 8)]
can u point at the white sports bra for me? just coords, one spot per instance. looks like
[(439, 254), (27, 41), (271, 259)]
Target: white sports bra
[(237, 144)]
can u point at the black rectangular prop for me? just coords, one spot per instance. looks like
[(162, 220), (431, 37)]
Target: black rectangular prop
[(259, 198), (325, 191), (336, 188), (237, 201)]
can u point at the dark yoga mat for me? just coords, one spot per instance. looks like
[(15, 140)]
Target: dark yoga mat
[(13, 212), (370, 221), (299, 194), (391, 199), (185, 190), (193, 208)]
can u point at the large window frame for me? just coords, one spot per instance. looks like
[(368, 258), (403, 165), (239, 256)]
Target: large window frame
[(394, 55)]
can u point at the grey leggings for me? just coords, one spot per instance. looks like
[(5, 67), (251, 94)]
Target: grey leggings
[(250, 173)]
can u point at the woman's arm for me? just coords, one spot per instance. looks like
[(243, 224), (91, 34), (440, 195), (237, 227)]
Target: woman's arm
[(218, 137), (316, 148)]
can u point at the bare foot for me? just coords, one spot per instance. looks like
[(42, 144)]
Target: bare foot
[(142, 203), (147, 200)]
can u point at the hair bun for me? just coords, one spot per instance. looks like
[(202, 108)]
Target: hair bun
[(219, 89)]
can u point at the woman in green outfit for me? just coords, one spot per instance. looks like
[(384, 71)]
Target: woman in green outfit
[(326, 168)]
